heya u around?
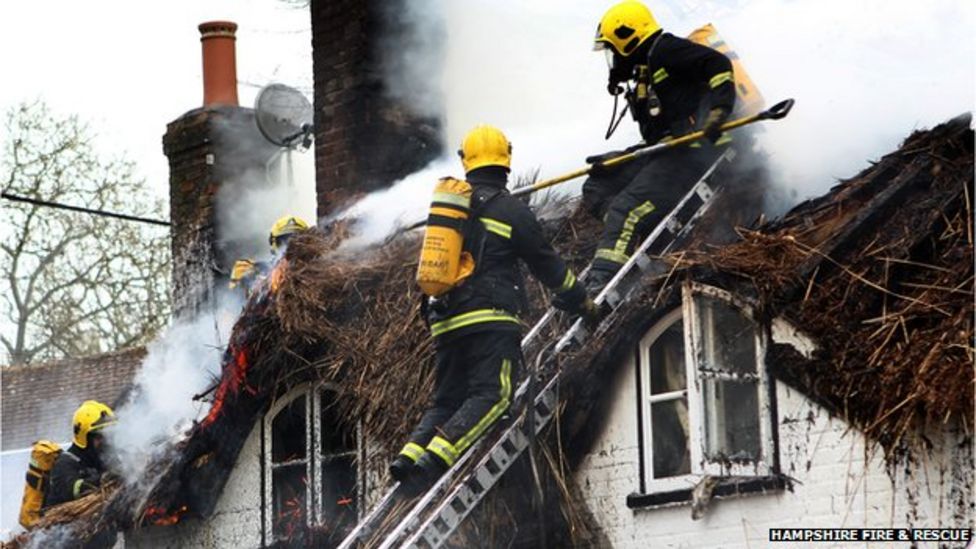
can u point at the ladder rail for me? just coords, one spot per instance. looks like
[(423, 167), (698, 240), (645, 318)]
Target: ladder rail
[(576, 332), (461, 500)]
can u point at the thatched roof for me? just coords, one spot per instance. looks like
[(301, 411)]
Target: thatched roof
[(878, 272)]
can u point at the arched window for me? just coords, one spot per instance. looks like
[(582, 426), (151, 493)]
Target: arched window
[(310, 480), (704, 396)]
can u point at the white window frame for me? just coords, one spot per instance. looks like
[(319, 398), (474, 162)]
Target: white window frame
[(693, 347), (313, 455)]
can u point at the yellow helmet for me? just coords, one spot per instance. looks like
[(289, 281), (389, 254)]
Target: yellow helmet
[(624, 27), (485, 146), (242, 269), (285, 226), (91, 416)]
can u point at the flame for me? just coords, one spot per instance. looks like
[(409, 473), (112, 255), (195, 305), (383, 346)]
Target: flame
[(160, 517), (234, 377), (277, 275)]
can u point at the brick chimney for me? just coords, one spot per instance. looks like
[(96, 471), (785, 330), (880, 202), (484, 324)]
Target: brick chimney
[(364, 138), (208, 148)]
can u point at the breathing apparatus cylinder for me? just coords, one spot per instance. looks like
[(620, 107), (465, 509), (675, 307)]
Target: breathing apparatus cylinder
[(443, 261), (748, 100)]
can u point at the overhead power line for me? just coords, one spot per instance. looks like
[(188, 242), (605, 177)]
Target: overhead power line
[(103, 213)]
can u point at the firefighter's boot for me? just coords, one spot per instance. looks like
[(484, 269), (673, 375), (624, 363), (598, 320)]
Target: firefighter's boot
[(425, 473), (401, 468)]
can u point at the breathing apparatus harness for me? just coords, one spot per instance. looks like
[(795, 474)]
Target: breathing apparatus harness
[(640, 99)]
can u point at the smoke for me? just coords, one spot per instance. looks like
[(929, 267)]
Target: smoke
[(250, 202), (864, 74), (186, 359), (183, 362)]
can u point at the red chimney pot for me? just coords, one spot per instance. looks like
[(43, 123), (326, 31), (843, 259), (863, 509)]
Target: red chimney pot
[(219, 63)]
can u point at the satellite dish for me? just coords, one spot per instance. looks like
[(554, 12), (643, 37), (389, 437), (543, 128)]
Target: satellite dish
[(284, 116)]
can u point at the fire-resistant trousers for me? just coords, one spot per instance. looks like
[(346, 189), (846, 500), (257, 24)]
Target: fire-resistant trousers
[(475, 375), (634, 197)]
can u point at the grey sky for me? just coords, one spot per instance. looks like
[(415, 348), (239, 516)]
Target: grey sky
[(129, 68)]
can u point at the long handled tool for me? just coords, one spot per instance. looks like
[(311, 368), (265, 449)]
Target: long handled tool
[(776, 112)]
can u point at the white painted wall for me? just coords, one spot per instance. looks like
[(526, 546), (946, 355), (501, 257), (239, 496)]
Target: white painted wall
[(236, 521), (841, 482)]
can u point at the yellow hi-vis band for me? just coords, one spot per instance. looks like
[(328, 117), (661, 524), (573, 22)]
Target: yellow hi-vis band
[(496, 411), (412, 451), (444, 450), (452, 198), (76, 488), (720, 79), (660, 75), (503, 230), (611, 255), (473, 317), (568, 282), (630, 225)]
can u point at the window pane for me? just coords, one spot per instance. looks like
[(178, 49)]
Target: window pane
[(338, 495), (667, 356), (337, 436), (288, 487), (728, 338), (288, 432), (670, 433), (732, 420)]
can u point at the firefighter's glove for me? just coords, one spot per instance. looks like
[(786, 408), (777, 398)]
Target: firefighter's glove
[(712, 128), (614, 88), (571, 300)]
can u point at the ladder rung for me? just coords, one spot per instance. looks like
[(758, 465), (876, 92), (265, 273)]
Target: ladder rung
[(457, 503)]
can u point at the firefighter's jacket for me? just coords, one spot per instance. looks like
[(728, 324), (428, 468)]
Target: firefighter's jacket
[(493, 297), (76, 472), (688, 80)]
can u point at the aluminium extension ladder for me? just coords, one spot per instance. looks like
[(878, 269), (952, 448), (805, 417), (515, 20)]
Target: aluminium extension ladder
[(432, 520)]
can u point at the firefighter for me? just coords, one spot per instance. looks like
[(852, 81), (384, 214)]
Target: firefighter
[(673, 86), (78, 470), (283, 229), (475, 325), (246, 274)]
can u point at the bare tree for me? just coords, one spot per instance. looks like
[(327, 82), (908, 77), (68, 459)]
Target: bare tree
[(78, 283)]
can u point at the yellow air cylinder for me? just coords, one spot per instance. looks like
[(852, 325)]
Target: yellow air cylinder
[(443, 263), (748, 99), (43, 455)]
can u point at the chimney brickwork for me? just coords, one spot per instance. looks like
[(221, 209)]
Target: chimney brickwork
[(364, 140), (208, 148)]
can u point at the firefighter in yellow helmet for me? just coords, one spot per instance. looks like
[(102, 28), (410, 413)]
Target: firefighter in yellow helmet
[(78, 470), (282, 230), (475, 325), (673, 86)]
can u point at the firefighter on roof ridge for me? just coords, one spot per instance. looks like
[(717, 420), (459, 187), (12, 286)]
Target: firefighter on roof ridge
[(673, 86), (247, 272), (474, 317)]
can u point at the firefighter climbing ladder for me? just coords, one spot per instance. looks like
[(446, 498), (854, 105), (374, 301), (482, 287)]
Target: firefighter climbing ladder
[(432, 520)]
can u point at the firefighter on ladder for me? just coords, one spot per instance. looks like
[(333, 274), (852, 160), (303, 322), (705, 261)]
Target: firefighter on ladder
[(673, 87), (475, 325)]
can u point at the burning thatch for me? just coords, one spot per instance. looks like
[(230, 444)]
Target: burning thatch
[(890, 249)]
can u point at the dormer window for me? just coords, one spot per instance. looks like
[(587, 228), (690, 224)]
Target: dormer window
[(705, 401), (311, 488)]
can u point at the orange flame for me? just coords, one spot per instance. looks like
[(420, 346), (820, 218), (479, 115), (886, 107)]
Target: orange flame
[(159, 516), (230, 384)]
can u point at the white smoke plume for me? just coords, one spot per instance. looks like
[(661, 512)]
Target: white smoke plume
[(864, 74), (183, 362)]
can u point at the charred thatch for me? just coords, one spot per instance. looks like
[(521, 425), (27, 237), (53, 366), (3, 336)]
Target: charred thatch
[(879, 273)]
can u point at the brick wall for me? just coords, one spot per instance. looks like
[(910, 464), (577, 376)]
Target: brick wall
[(207, 148), (842, 482), (365, 140)]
